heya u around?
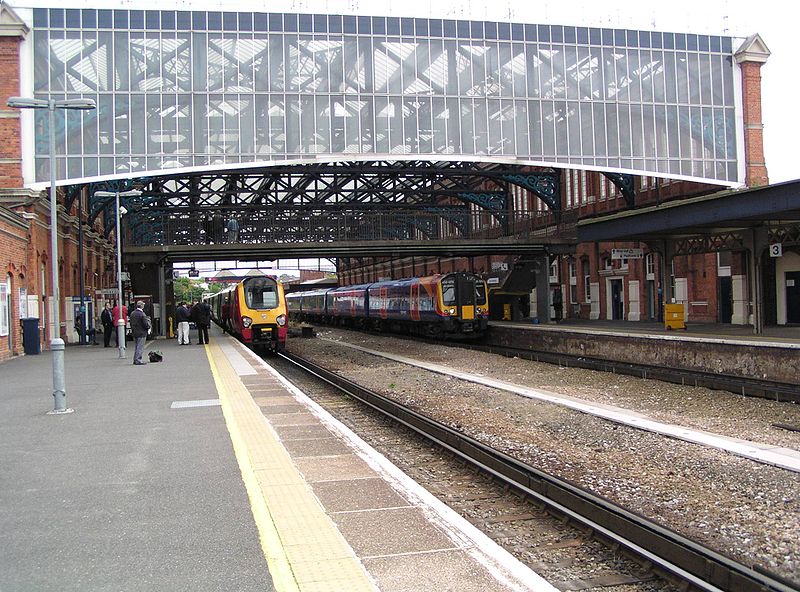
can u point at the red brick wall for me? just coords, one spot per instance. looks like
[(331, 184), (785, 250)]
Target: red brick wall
[(756, 168), (13, 254), (10, 173)]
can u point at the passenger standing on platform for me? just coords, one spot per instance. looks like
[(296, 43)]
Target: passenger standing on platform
[(107, 319), (201, 315), (182, 318), (116, 314), (140, 327)]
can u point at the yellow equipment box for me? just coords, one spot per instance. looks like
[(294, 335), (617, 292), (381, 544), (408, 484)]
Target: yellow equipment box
[(673, 316)]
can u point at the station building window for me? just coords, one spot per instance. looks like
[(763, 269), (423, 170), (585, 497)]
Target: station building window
[(5, 306), (573, 282), (587, 280)]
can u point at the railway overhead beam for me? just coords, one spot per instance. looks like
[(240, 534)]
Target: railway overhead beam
[(271, 251)]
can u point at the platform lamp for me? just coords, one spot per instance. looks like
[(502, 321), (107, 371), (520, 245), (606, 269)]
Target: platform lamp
[(120, 321), (56, 343)]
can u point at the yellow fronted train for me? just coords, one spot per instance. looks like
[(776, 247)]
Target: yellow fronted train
[(254, 310)]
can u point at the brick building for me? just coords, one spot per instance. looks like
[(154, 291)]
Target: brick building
[(14, 233), (25, 227)]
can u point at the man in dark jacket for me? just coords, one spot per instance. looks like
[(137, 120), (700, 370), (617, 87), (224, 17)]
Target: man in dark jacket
[(140, 327), (182, 318), (108, 324), (201, 315)]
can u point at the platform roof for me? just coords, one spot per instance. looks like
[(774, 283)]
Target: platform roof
[(726, 211)]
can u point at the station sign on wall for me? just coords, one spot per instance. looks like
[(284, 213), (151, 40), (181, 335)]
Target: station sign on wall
[(627, 253)]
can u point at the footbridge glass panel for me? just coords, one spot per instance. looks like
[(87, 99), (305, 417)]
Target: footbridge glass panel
[(178, 89)]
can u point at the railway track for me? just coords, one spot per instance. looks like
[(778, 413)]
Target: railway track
[(740, 385), (752, 387), (675, 557)]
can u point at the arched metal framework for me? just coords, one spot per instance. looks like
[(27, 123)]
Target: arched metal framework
[(327, 202)]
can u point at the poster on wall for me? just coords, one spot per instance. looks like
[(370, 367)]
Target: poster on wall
[(33, 306), (23, 303), (4, 312)]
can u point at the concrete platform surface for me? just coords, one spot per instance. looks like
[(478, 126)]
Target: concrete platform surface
[(126, 493), (208, 471)]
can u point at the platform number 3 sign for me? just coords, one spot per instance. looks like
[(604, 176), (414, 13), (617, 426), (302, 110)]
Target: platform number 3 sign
[(776, 250)]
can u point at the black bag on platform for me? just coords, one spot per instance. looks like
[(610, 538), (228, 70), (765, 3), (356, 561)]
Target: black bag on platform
[(155, 356)]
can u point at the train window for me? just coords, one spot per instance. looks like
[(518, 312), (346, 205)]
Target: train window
[(261, 293), (449, 290), (480, 293)]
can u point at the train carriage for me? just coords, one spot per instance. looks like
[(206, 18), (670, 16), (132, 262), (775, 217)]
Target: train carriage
[(254, 310), (451, 305), (347, 305)]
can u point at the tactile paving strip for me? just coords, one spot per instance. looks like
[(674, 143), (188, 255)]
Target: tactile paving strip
[(304, 549)]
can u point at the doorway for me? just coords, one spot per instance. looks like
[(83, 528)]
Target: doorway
[(652, 306), (725, 299), (793, 297), (617, 300)]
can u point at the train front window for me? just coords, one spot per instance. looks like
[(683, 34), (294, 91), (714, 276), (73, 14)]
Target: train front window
[(480, 293), (449, 290), (260, 293)]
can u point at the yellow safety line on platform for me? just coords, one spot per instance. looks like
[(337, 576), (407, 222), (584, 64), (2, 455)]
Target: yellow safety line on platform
[(304, 550), (282, 576)]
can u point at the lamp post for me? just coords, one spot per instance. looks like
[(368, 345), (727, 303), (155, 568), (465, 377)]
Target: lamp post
[(121, 320), (56, 343)]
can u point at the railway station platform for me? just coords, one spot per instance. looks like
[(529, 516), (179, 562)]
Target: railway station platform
[(721, 349), (770, 333), (208, 471)]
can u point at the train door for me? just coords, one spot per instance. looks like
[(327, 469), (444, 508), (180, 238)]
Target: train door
[(415, 301), (384, 296), (793, 296), (465, 297)]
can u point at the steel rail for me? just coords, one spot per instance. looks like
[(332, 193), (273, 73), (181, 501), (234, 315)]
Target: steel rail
[(691, 562)]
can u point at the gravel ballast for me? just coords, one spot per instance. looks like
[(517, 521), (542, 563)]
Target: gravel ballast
[(743, 509)]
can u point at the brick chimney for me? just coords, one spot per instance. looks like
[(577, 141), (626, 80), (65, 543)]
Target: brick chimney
[(751, 56)]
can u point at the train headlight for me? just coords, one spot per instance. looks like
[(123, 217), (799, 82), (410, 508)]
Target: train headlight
[(452, 311), (246, 322), (281, 320)]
